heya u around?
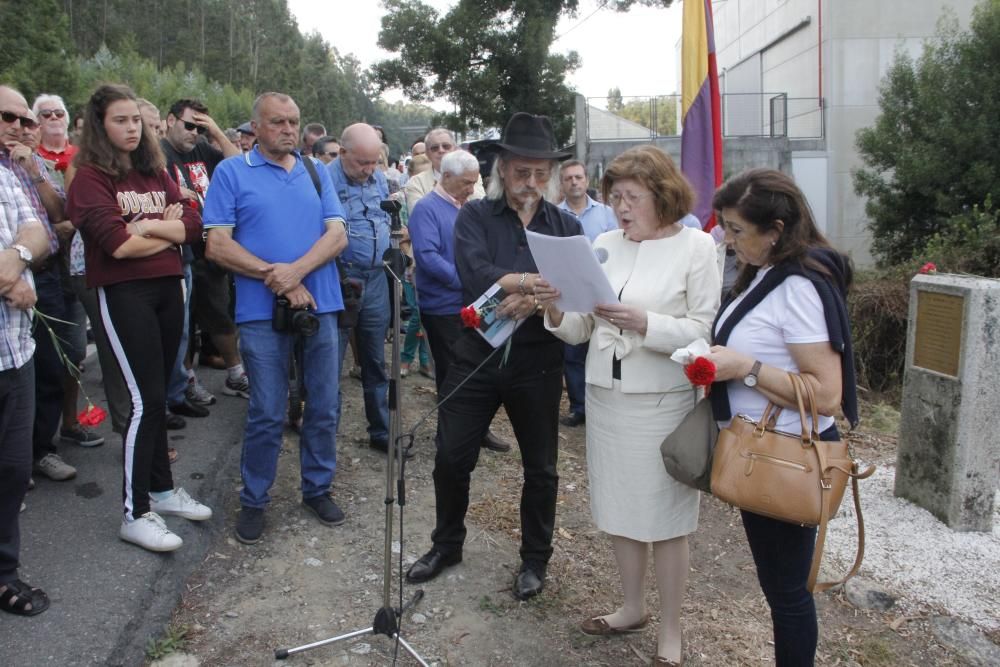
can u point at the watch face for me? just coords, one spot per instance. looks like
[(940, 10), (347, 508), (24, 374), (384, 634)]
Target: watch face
[(750, 380)]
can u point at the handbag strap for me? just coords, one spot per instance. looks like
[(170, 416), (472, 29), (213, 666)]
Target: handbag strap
[(826, 491)]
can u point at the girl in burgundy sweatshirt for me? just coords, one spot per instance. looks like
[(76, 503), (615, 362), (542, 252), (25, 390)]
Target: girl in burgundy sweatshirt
[(132, 218)]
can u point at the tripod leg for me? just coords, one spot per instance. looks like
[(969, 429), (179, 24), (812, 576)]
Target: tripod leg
[(282, 653)]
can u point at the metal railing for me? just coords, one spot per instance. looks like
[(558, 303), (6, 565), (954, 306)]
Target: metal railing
[(743, 115)]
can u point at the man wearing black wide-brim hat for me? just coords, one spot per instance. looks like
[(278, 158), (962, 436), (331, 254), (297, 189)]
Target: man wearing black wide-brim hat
[(490, 247)]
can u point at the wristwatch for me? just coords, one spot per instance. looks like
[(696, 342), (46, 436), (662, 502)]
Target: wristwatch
[(750, 379), (23, 253)]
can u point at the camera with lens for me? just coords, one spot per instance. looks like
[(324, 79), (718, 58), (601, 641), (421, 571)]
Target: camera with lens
[(286, 319)]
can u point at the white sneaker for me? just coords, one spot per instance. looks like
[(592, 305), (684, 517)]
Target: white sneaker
[(181, 504), (54, 468), (149, 532), (239, 387), (197, 394)]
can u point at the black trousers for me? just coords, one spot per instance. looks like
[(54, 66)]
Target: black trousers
[(443, 331), (529, 387), (143, 320), (49, 367), (17, 409)]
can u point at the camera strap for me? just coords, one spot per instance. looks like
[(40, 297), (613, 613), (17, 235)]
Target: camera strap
[(314, 175)]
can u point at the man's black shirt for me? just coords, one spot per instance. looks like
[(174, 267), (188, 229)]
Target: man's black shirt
[(490, 242)]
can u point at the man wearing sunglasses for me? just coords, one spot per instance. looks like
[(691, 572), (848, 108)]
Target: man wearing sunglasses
[(439, 142), (50, 110), (48, 202), (191, 161)]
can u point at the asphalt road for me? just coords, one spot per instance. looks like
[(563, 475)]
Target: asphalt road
[(108, 596)]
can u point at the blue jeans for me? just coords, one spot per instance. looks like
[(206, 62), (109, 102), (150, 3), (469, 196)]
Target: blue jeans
[(177, 383), (575, 360), (783, 554), (266, 355), (413, 344), (373, 323)]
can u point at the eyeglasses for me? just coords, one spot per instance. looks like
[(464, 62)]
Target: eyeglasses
[(629, 198), (49, 113), (10, 117), (541, 175), (445, 147), (329, 153), (191, 127)]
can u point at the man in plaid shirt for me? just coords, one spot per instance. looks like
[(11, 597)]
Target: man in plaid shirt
[(23, 239)]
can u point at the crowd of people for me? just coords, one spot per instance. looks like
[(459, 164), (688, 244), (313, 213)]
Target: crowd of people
[(259, 250)]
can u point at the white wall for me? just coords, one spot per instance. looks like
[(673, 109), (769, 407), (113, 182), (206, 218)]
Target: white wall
[(855, 40)]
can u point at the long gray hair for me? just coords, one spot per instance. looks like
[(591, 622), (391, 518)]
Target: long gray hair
[(494, 189)]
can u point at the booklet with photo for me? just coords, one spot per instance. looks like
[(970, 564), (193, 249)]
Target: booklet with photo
[(482, 314)]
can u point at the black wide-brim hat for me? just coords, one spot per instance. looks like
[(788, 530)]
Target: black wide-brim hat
[(530, 136)]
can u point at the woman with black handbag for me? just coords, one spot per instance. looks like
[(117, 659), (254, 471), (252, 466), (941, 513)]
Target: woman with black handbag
[(786, 314)]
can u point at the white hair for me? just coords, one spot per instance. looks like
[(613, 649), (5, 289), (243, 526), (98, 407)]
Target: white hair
[(451, 135), (459, 162), (494, 189), (44, 99)]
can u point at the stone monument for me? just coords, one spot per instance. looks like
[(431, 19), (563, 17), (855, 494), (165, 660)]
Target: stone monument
[(948, 460)]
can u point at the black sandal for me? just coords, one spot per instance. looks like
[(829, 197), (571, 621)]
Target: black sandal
[(17, 597)]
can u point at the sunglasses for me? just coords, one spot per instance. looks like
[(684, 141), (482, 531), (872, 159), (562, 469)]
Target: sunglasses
[(191, 127), (10, 117), (446, 147), (49, 113)]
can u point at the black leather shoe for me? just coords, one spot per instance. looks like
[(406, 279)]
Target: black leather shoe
[(430, 565), (188, 409), (174, 422), (495, 443), (573, 419), (529, 581), (382, 445)]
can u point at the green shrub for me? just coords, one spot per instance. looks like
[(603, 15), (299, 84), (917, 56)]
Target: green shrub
[(968, 243)]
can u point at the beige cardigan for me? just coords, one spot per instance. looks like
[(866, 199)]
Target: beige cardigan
[(423, 183), (676, 279)]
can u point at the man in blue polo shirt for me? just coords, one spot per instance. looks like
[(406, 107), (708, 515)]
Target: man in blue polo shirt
[(361, 188), (595, 218), (268, 224)]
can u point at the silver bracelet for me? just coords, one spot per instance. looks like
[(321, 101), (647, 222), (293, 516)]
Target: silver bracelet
[(520, 284)]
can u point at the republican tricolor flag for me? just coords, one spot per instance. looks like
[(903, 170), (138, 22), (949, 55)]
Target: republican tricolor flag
[(701, 133)]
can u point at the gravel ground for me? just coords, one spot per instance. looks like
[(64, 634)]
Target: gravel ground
[(305, 582)]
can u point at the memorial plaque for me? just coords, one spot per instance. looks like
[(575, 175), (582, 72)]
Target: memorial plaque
[(938, 337)]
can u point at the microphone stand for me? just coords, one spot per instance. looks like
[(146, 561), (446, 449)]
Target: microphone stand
[(386, 620)]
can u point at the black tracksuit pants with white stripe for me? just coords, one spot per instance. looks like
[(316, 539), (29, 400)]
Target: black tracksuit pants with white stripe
[(143, 320)]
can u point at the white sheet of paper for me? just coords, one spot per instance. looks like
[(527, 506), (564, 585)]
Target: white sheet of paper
[(569, 264)]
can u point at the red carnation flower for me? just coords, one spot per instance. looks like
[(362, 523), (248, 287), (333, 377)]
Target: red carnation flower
[(470, 317), (929, 267), (92, 416), (700, 372)]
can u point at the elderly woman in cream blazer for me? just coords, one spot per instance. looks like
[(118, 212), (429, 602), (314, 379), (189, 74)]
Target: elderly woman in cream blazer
[(667, 279)]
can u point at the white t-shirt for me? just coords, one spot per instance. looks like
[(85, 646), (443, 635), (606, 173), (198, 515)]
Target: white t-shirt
[(791, 313)]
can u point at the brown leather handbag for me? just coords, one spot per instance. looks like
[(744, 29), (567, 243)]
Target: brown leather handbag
[(796, 478)]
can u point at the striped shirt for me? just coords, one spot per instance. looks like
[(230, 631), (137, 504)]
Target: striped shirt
[(16, 343), (31, 191)]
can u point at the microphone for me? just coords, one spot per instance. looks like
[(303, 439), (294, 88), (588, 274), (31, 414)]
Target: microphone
[(602, 255)]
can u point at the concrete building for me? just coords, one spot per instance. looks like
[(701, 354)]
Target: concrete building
[(828, 57), (798, 79)]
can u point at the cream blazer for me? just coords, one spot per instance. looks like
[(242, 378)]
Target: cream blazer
[(676, 280)]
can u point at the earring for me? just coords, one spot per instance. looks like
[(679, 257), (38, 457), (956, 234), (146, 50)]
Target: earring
[(774, 243)]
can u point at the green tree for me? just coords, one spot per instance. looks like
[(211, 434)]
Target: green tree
[(615, 104), (489, 58), (36, 55), (934, 152)]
